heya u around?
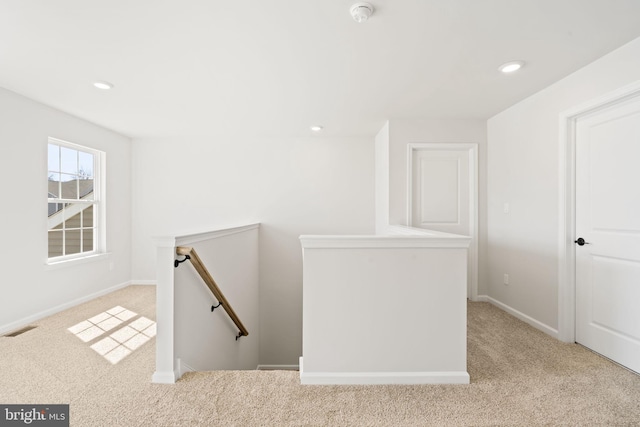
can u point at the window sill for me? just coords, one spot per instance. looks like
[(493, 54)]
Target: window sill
[(54, 265)]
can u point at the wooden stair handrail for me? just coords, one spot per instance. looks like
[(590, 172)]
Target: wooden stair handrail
[(213, 287)]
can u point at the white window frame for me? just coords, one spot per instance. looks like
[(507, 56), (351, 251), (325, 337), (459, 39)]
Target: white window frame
[(99, 210)]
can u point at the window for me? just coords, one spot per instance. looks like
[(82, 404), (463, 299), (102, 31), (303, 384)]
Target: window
[(74, 209)]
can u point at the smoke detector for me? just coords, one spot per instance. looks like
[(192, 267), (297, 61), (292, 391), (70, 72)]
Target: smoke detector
[(361, 11)]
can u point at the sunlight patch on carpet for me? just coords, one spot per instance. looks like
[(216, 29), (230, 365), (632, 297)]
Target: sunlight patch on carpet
[(120, 343)]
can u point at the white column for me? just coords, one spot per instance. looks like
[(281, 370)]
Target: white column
[(165, 360)]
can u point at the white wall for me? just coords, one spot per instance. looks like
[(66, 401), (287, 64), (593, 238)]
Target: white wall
[(205, 340), (290, 186), (385, 309), (382, 178), (402, 132), (29, 289), (523, 165)]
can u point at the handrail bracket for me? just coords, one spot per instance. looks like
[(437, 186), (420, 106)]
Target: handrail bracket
[(176, 263)]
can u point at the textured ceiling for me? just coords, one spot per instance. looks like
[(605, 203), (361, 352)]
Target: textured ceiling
[(273, 68)]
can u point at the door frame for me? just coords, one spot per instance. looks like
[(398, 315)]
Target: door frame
[(567, 203), (472, 149)]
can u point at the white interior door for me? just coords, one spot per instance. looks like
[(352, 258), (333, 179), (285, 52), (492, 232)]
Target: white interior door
[(608, 219), (443, 194)]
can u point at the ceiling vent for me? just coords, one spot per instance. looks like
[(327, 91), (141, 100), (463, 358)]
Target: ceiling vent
[(361, 12)]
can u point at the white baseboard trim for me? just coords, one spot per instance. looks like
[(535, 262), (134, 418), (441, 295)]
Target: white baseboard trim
[(50, 311), (380, 378), (520, 315), (144, 282), (278, 368), (169, 377)]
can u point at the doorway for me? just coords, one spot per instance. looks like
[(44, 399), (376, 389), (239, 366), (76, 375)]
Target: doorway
[(600, 239)]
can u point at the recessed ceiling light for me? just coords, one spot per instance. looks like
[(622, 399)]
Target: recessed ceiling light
[(511, 66), (103, 85), (317, 128)]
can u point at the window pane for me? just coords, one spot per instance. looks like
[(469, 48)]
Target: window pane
[(85, 187), (69, 160), (55, 243), (87, 217), (87, 239), (72, 242), (85, 166), (54, 158), (56, 221), (69, 186), (73, 221), (54, 185), (54, 208)]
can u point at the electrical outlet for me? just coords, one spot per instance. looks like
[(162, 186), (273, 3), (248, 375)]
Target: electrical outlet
[(506, 279), (506, 207), (112, 265)]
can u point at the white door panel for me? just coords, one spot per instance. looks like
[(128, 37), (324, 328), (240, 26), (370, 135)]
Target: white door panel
[(616, 290), (608, 218), (441, 191), (439, 195)]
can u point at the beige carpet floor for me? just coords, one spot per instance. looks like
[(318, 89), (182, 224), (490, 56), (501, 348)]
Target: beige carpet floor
[(519, 377)]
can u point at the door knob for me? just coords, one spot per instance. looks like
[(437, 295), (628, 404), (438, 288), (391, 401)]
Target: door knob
[(581, 242)]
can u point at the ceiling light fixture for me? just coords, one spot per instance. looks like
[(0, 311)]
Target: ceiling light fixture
[(510, 67), (316, 128), (103, 85), (361, 12)]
